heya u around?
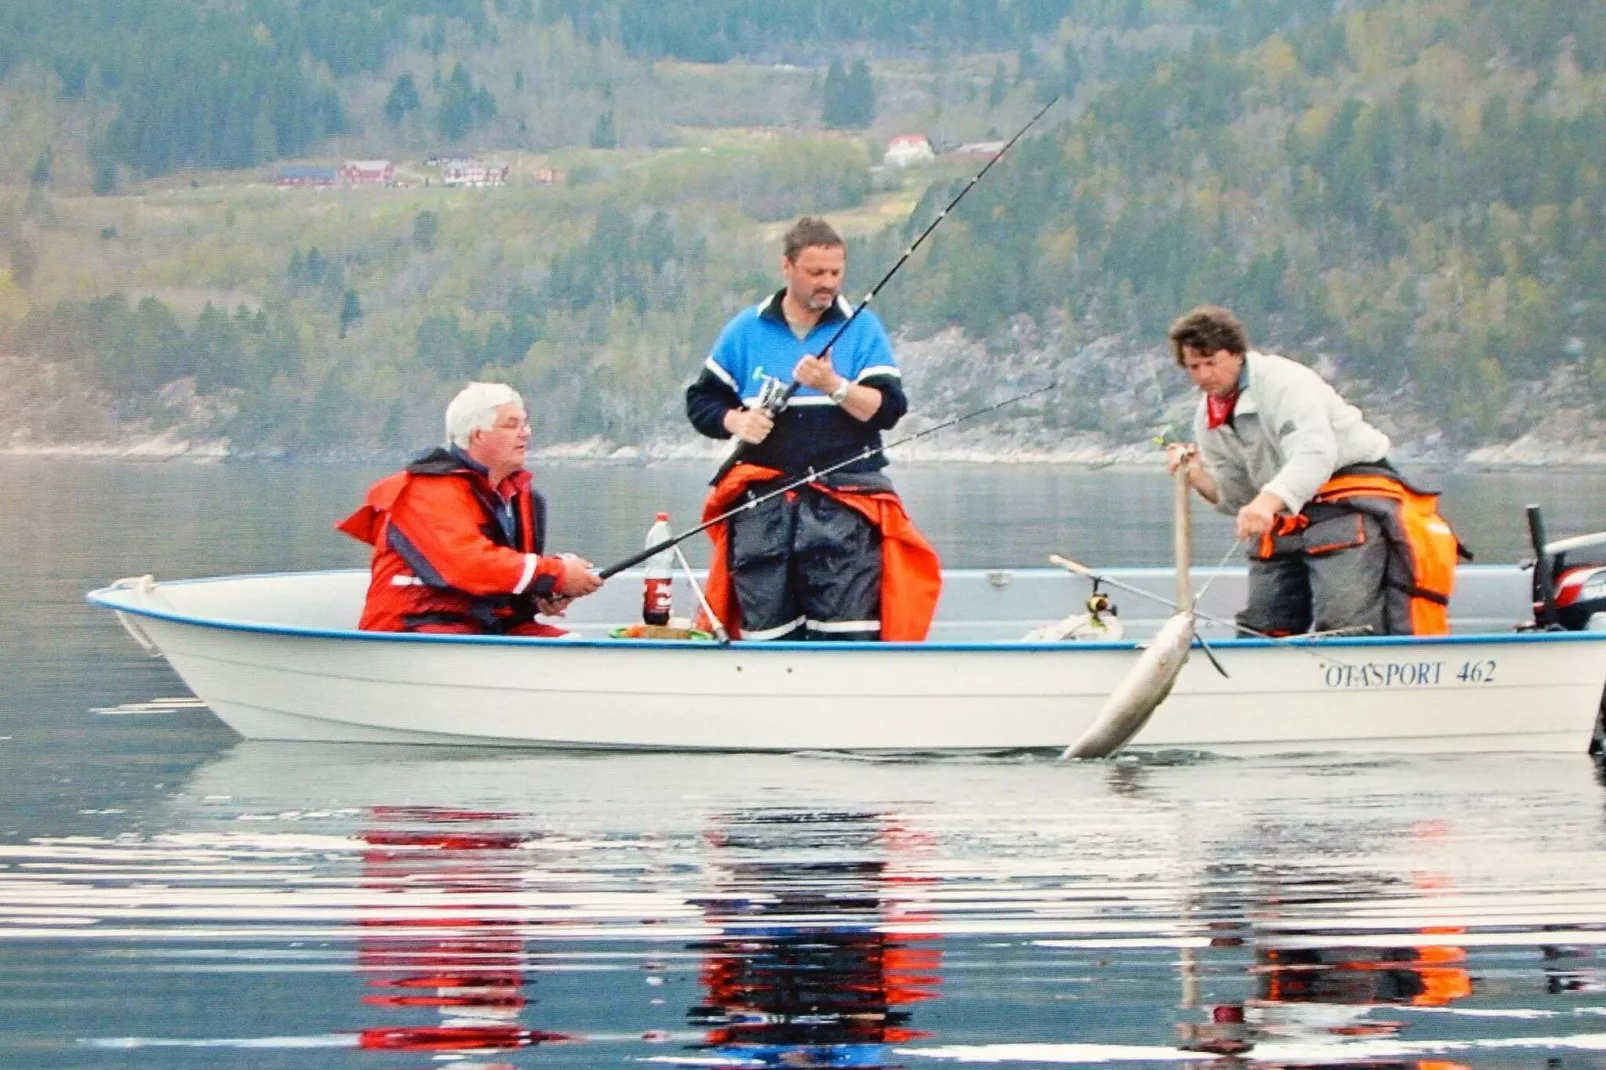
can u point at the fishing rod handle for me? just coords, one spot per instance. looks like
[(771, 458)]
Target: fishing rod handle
[(1070, 566)]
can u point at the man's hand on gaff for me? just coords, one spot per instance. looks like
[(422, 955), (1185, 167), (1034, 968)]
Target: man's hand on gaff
[(1185, 456), (1257, 518), (1178, 454), (577, 580), (750, 425)]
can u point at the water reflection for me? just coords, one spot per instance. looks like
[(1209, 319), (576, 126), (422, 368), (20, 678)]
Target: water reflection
[(809, 967), (1323, 994), (1572, 969), (1320, 998), (516, 911), (467, 967)]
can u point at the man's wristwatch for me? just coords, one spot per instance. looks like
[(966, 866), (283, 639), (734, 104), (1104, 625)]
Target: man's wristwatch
[(840, 394)]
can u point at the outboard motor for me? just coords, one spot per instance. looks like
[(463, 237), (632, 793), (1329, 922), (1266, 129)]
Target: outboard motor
[(1580, 583), (1569, 581), (1569, 590)]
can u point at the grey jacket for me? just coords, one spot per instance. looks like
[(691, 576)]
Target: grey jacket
[(1289, 433)]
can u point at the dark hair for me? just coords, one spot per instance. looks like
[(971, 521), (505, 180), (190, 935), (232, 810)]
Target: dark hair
[(810, 231), (1208, 329)]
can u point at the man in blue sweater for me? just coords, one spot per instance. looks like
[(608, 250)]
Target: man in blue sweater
[(807, 565)]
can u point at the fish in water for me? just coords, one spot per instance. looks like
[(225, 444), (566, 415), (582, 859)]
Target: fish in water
[(1129, 707)]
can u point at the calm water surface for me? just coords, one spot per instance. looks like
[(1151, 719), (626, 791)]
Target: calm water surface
[(173, 898)]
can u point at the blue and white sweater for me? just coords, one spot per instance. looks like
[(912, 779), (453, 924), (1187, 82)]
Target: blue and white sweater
[(813, 432)]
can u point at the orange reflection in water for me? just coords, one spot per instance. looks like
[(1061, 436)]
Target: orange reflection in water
[(1307, 989), (467, 968)]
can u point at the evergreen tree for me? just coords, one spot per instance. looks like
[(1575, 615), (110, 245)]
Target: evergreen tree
[(43, 169), (350, 311), (403, 99), (463, 108), (849, 96), (603, 135), (834, 108), (861, 95)]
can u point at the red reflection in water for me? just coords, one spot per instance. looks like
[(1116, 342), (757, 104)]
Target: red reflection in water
[(448, 1038), (466, 967)]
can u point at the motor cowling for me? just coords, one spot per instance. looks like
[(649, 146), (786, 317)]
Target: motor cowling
[(1578, 574)]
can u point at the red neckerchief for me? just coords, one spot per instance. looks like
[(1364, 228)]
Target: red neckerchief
[(1219, 410)]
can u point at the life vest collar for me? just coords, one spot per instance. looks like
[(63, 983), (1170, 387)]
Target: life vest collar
[(449, 461)]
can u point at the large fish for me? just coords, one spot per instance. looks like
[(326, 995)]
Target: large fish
[(1148, 683)]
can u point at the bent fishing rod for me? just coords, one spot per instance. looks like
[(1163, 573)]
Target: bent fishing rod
[(810, 477), (786, 395)]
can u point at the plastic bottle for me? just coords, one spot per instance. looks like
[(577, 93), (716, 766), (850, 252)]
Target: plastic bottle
[(658, 593)]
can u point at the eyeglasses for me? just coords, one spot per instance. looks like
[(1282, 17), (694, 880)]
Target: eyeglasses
[(511, 425)]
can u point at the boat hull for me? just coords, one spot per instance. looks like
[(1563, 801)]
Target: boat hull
[(1530, 692)]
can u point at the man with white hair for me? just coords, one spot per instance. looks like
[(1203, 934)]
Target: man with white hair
[(458, 535)]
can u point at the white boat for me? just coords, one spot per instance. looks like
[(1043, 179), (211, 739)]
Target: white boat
[(279, 657)]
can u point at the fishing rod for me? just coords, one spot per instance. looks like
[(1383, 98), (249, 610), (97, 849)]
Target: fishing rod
[(1295, 641), (753, 503), (786, 396)]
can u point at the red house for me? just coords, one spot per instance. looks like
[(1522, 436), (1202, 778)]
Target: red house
[(368, 172)]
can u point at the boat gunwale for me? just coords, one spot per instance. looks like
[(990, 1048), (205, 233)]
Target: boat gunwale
[(112, 597)]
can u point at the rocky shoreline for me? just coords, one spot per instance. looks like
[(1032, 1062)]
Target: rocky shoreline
[(1529, 454), (1114, 397)]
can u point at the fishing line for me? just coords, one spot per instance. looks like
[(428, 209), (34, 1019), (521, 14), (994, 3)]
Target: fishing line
[(1214, 576)]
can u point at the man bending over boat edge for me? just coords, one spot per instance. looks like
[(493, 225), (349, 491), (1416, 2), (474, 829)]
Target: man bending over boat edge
[(1337, 537), (459, 534)]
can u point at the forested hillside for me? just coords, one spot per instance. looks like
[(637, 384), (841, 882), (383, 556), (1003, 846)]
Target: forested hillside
[(1411, 189), (1419, 188), (170, 84)]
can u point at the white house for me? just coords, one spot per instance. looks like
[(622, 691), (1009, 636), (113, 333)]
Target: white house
[(469, 171), (906, 149)]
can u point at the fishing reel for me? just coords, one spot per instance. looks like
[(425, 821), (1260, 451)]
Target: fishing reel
[(773, 395), (1098, 604), (1099, 623)]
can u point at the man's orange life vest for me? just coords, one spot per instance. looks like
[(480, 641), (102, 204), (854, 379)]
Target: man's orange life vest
[(1423, 541), (911, 574), (443, 557), (1421, 574)]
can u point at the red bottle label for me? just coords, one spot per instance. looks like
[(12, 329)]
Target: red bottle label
[(657, 600)]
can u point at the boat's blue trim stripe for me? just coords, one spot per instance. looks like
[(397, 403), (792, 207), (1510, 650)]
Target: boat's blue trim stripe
[(110, 598)]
